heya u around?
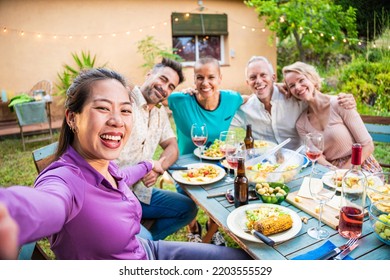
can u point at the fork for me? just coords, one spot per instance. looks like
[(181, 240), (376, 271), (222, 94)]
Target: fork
[(352, 244), (333, 253)]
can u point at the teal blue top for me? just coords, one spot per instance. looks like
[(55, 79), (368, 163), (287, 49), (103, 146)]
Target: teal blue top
[(186, 110)]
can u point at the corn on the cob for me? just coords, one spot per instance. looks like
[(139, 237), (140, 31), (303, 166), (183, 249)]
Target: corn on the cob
[(274, 224)]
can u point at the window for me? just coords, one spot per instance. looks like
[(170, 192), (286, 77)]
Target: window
[(199, 35)]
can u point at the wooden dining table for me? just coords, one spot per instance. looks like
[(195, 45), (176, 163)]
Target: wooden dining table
[(218, 209)]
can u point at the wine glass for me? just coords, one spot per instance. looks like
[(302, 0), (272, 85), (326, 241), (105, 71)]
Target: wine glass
[(232, 159), (314, 143), (199, 137), (228, 144), (322, 193)]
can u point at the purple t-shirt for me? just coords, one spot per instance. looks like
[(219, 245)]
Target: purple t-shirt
[(85, 217)]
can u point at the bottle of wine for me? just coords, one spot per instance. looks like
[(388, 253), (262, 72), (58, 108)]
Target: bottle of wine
[(249, 140), (353, 197), (240, 185)]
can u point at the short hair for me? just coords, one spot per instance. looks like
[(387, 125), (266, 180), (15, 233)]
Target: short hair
[(259, 58), (207, 60), (174, 65), (76, 96), (307, 70)]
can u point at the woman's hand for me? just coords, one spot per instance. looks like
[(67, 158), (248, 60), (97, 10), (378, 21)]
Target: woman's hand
[(8, 235)]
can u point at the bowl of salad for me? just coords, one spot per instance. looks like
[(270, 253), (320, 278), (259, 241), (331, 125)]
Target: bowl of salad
[(282, 167)]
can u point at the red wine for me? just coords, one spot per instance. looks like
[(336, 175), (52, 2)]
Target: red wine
[(351, 222), (199, 141), (232, 161), (313, 155)]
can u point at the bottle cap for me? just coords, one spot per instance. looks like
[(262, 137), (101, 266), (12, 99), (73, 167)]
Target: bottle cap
[(356, 157)]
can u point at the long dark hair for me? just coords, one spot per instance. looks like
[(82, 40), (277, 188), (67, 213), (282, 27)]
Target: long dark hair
[(76, 96)]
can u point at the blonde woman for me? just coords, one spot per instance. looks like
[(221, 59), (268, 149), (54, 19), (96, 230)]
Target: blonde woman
[(340, 127)]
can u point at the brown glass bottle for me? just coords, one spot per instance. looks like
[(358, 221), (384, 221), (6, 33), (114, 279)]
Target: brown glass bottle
[(248, 140), (240, 185)]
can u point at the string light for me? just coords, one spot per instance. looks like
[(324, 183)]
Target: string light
[(282, 19)]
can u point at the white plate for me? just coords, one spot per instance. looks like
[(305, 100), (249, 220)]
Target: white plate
[(236, 222), (327, 180), (197, 153), (177, 175)]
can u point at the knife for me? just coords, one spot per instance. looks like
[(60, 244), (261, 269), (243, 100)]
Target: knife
[(329, 255), (177, 167), (261, 236), (344, 253)]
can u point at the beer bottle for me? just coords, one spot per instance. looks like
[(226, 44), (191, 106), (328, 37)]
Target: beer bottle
[(248, 140), (240, 185)]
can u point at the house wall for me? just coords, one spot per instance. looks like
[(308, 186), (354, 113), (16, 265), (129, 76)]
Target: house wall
[(24, 60)]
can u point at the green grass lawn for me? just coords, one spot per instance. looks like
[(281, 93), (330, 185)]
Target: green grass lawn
[(17, 168)]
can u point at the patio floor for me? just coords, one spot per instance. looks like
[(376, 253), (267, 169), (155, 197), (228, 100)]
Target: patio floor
[(12, 128)]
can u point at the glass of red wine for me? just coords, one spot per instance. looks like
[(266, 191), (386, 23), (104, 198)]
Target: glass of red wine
[(228, 145), (314, 143), (232, 159), (199, 136)]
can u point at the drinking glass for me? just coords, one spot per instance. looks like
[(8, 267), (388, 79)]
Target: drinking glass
[(228, 144), (314, 143), (322, 193), (232, 159), (199, 137)]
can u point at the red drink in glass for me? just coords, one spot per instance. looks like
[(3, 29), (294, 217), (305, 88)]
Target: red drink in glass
[(199, 141), (351, 222), (313, 155), (232, 161)]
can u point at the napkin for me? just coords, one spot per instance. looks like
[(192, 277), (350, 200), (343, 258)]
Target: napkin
[(304, 190), (314, 254)]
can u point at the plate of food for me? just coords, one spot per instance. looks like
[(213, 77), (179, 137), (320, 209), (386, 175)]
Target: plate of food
[(278, 222), (213, 152), (199, 174), (259, 144), (353, 183)]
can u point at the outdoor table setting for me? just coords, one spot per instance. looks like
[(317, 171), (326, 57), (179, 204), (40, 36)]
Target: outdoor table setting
[(210, 186)]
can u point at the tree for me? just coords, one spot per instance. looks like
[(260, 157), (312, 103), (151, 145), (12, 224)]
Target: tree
[(372, 16), (309, 22)]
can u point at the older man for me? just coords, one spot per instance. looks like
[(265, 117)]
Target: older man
[(152, 128), (272, 114)]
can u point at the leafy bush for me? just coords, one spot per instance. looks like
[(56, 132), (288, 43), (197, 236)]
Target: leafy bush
[(83, 61), (368, 81)]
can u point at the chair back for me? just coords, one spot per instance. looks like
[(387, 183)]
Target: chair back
[(44, 156), (44, 85)]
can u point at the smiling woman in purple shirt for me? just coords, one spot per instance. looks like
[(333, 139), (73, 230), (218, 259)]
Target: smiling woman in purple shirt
[(81, 201)]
